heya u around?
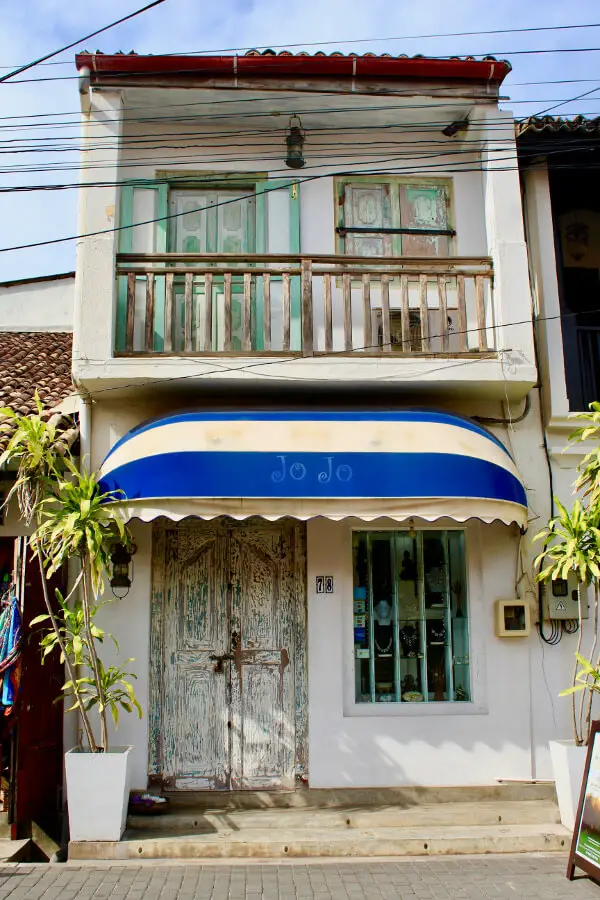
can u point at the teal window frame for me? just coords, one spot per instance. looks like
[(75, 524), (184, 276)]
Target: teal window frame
[(162, 185)]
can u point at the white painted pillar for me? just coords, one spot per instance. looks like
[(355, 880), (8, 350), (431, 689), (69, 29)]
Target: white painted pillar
[(95, 283), (540, 238), (505, 234)]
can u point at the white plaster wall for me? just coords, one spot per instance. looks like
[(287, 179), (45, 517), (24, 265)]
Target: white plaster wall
[(542, 261), (486, 211), (497, 736), (129, 620), (37, 306), (516, 681)]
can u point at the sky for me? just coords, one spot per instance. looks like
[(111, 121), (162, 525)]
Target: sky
[(31, 28)]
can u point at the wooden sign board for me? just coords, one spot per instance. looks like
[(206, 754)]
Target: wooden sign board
[(585, 847)]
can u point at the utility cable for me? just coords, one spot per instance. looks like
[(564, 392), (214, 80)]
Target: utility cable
[(41, 59), (176, 215), (408, 37), (499, 55), (383, 93)]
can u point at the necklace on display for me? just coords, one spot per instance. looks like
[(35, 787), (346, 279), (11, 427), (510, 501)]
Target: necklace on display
[(382, 650)]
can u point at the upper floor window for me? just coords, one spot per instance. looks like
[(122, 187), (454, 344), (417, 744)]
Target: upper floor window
[(212, 221), (393, 217), (579, 251)]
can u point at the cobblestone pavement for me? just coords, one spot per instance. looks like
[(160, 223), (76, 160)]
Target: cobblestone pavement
[(464, 877)]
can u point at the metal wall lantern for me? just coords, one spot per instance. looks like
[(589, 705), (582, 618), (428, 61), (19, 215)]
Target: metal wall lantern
[(120, 558), (295, 143)]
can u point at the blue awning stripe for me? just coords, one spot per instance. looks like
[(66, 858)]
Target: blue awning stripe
[(225, 474), (392, 455)]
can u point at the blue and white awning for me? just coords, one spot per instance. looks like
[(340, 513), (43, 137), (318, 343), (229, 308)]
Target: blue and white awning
[(425, 464)]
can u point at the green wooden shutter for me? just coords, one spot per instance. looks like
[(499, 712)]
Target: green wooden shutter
[(125, 235), (127, 245), (293, 246)]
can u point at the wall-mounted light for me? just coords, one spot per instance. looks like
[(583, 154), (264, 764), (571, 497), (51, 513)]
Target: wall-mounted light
[(295, 142), (411, 528), (120, 580), (454, 127)]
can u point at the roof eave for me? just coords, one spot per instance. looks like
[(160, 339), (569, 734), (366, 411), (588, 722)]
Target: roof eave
[(127, 69)]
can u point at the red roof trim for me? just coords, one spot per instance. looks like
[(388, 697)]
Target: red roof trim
[(314, 65)]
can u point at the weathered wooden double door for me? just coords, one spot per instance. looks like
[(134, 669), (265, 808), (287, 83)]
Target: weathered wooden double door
[(229, 609)]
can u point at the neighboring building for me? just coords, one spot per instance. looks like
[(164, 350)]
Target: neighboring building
[(559, 161), (276, 365), (35, 355)]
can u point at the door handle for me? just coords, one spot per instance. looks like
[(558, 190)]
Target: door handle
[(219, 660)]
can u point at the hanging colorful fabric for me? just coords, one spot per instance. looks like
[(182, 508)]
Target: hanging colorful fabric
[(10, 655)]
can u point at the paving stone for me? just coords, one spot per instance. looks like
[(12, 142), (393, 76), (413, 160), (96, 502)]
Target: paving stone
[(518, 878)]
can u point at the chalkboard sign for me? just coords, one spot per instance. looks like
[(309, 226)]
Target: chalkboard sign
[(585, 847)]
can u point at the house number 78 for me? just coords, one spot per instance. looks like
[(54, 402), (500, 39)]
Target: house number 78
[(324, 584)]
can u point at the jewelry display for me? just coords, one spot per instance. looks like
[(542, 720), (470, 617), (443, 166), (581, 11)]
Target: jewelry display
[(436, 632), (409, 640), (382, 651), (410, 616)]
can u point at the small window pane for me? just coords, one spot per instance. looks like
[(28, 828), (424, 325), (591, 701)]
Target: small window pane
[(410, 617), (424, 208), (367, 206)]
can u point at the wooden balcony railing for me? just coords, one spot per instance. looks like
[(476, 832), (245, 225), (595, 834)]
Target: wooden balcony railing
[(207, 304)]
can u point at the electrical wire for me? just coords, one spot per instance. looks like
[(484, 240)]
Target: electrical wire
[(478, 57), (425, 165), (175, 215), (409, 37), (432, 90), (42, 59), (211, 121)]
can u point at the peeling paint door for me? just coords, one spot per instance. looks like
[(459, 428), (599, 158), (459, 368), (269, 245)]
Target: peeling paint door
[(196, 734), (228, 706), (262, 675)]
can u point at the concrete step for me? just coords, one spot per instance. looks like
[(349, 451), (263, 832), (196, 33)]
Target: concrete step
[(201, 821), (15, 851), (340, 798), (282, 843)]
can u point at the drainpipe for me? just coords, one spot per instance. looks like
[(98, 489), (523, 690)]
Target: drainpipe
[(484, 420), (85, 430), (84, 89)]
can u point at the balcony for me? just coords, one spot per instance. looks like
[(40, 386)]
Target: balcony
[(205, 305)]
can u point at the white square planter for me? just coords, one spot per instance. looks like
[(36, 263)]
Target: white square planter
[(568, 763), (97, 793)]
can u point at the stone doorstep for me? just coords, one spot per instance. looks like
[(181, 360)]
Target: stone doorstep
[(15, 851), (377, 842), (340, 798), (205, 820)]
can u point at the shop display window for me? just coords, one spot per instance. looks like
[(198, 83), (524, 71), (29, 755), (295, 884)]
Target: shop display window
[(410, 617)]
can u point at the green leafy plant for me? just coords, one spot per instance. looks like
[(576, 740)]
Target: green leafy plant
[(588, 678), (572, 546), (73, 520)]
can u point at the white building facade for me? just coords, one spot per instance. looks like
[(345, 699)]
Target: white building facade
[(316, 388)]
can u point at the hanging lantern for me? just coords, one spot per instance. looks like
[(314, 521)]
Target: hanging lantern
[(295, 142), (120, 581), (577, 238)]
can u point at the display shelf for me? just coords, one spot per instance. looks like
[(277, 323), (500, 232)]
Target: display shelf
[(390, 604)]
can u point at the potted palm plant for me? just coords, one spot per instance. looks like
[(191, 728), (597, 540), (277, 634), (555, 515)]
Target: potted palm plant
[(572, 547), (74, 522)]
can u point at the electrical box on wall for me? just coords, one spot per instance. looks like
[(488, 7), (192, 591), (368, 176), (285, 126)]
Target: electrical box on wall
[(560, 599), (513, 618)]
